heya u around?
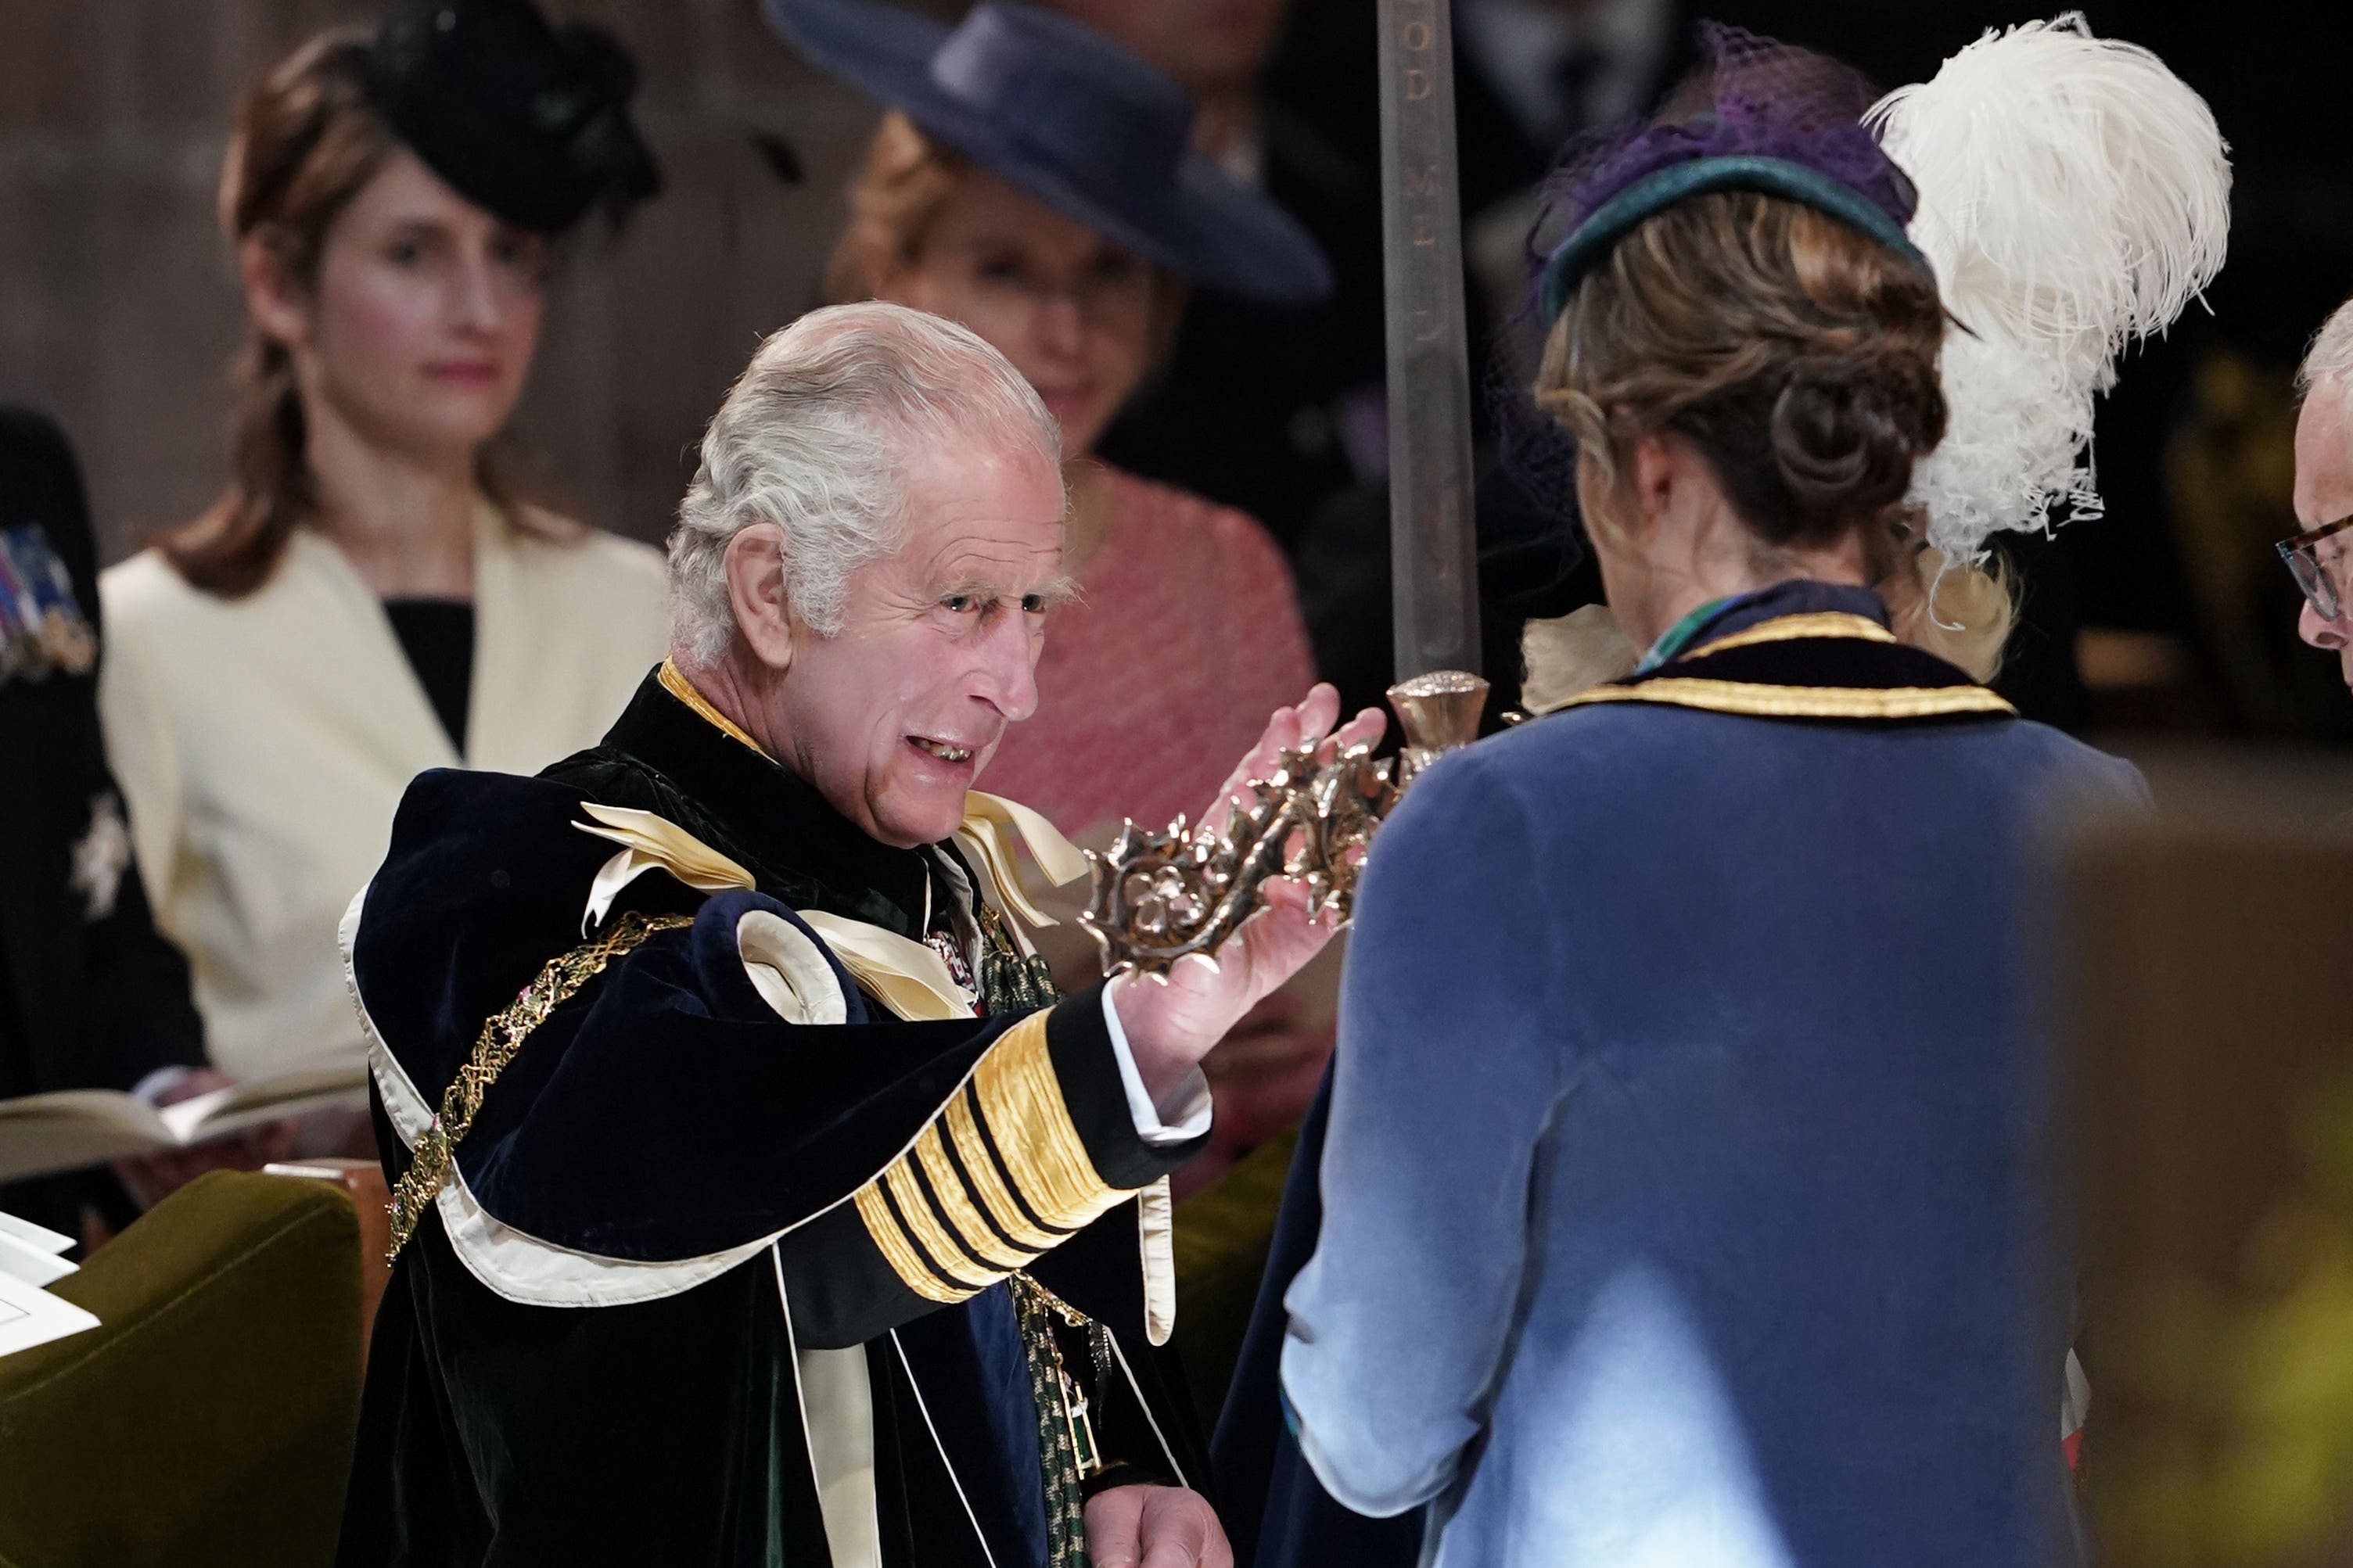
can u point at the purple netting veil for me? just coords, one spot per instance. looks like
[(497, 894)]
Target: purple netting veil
[(2073, 197), (1750, 96)]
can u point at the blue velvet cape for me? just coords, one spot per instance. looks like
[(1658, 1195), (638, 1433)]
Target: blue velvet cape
[(1675, 1180), (597, 1366)]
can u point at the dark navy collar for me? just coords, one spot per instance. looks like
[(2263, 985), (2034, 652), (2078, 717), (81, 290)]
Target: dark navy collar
[(1799, 596), (760, 813), (1804, 651)]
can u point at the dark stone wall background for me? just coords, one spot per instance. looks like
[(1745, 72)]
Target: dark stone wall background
[(119, 307)]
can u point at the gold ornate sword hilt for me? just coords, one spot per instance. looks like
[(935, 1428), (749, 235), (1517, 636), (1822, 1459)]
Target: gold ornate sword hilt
[(1161, 896)]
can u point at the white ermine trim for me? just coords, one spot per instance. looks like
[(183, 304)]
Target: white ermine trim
[(409, 1114), (788, 970), (524, 1268)]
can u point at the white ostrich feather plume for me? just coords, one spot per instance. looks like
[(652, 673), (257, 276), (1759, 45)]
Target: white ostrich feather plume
[(2074, 198)]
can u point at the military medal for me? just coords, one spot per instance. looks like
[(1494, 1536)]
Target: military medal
[(42, 628), (18, 645)]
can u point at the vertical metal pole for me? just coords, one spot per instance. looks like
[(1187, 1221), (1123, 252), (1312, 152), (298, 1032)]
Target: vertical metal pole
[(1434, 549)]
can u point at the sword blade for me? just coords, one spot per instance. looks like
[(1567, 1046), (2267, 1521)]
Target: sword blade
[(1434, 549)]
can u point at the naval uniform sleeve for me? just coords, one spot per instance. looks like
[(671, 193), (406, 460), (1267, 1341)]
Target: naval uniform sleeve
[(696, 1104), (1039, 1142)]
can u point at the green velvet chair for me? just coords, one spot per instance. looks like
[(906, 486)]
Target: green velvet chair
[(208, 1420)]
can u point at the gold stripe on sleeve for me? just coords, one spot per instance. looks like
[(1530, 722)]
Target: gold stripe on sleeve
[(925, 1228), (979, 1238), (988, 1185), (1021, 1103), (898, 1251)]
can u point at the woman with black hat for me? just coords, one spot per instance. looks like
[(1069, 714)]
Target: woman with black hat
[(368, 599), (1035, 180)]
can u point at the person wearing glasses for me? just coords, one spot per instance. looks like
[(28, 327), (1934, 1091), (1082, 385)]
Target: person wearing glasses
[(2324, 489)]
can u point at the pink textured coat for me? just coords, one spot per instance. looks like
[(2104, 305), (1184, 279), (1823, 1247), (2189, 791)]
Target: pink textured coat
[(1157, 683)]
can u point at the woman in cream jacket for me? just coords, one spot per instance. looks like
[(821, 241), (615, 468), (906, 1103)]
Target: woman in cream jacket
[(367, 600)]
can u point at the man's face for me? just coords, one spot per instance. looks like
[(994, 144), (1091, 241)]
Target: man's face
[(2324, 492), (894, 717), (1209, 46)]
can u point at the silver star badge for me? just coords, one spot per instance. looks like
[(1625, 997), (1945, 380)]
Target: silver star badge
[(99, 860)]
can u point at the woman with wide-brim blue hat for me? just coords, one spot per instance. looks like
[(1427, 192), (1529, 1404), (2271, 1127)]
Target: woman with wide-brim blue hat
[(1035, 180)]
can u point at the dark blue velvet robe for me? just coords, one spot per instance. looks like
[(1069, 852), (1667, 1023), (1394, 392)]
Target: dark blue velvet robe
[(597, 1367), (1685, 1029)]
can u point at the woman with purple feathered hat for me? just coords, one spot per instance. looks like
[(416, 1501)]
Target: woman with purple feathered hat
[(1674, 1198)]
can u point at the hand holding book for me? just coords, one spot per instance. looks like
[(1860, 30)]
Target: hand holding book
[(151, 1178), (75, 1129)]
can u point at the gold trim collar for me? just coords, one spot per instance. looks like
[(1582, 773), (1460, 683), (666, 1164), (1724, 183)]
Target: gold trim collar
[(1755, 701), (1790, 628), (675, 681), (1763, 700)]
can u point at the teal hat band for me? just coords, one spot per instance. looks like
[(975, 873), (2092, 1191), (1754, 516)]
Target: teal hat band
[(1614, 219)]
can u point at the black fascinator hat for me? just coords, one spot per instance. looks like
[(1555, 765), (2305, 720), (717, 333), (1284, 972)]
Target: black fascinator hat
[(527, 121)]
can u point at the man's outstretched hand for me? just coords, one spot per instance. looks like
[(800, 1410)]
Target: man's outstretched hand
[(1171, 1023), (1155, 1527)]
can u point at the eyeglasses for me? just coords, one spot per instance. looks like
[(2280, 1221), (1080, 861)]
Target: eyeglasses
[(2312, 575)]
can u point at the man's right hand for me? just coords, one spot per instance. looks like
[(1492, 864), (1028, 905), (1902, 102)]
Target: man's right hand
[(1172, 1022), (1155, 1527)]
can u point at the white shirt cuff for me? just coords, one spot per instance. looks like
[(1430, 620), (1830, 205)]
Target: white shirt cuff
[(1188, 1102)]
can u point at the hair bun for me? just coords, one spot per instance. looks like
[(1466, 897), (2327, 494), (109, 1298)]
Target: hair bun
[(1845, 432)]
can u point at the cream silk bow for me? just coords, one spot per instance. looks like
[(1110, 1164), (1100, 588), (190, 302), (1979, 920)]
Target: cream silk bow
[(992, 825), (906, 976)]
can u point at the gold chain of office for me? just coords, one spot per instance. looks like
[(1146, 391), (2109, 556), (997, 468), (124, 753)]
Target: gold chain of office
[(503, 1036)]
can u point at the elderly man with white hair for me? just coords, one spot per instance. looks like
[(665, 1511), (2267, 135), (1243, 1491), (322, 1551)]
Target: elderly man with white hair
[(755, 1199), (2323, 490)]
